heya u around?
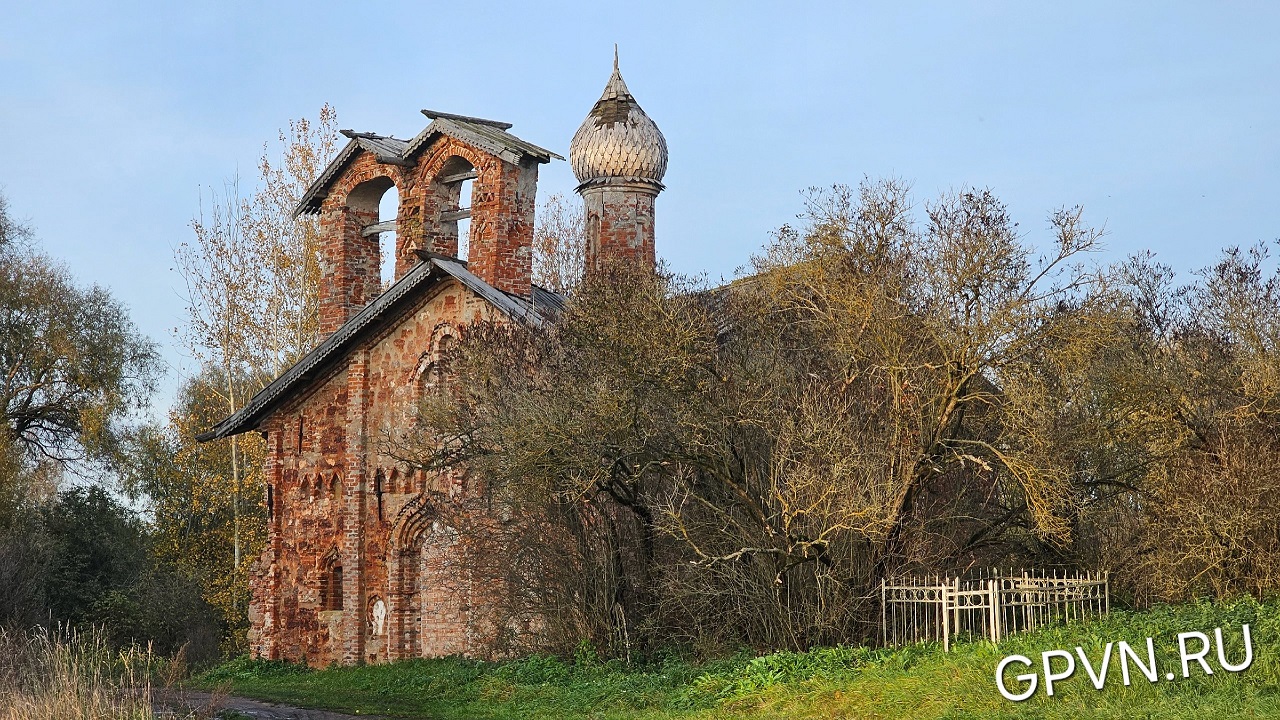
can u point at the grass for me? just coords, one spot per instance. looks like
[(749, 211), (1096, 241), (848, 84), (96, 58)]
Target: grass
[(844, 682), (68, 675)]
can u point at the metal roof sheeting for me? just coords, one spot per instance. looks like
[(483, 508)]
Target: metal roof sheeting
[(487, 135), (482, 134), (541, 306)]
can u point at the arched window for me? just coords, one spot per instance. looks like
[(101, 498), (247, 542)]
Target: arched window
[(465, 200), (373, 206), (452, 192), (331, 584), (388, 209)]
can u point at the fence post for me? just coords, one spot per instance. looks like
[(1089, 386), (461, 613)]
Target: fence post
[(955, 606), (1106, 592), (943, 592), (884, 609), (993, 592)]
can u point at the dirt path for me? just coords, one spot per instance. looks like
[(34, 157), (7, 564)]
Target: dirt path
[(204, 702)]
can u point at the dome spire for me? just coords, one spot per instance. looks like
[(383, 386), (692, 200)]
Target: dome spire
[(619, 157), (617, 139)]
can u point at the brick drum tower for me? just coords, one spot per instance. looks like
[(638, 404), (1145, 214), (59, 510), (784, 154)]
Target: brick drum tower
[(619, 157)]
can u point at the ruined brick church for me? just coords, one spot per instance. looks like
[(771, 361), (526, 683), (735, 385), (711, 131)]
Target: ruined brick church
[(358, 565)]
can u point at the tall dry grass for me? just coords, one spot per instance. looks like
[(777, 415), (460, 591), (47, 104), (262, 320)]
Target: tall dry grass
[(69, 675)]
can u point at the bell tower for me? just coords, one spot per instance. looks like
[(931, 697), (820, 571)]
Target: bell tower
[(619, 157)]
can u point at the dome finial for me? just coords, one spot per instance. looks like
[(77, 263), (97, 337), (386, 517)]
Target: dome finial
[(617, 139)]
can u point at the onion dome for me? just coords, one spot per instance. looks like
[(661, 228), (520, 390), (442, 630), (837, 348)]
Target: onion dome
[(617, 140)]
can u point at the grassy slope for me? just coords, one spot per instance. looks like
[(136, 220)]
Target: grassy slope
[(919, 682)]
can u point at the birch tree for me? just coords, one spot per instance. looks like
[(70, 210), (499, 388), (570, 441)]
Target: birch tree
[(251, 277)]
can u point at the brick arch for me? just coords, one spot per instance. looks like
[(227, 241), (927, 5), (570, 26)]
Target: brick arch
[(446, 159), (427, 596), (411, 526), (352, 260), (366, 195), (330, 572), (421, 374), (412, 523)]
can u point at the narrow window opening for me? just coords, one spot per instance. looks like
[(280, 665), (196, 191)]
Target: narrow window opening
[(271, 501), (331, 588), (465, 202), (388, 209), (377, 492), (301, 433)]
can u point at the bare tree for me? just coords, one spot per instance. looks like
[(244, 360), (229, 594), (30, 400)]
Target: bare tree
[(558, 245)]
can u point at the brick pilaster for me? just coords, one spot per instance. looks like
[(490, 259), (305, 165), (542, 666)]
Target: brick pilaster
[(354, 503)]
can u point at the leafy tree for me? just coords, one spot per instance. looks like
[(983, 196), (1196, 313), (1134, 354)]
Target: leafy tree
[(252, 281), (188, 488), (74, 365), (101, 572)]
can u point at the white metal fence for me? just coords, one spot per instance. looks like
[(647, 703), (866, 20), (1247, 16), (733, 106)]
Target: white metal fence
[(991, 605)]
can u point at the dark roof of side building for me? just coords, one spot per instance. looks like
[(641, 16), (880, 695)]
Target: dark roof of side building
[(539, 307), (488, 135)]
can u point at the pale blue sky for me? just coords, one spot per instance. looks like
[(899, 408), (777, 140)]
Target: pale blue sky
[(1158, 118)]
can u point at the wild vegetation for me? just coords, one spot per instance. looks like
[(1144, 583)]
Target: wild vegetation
[(888, 390), (46, 675), (838, 682), (686, 470)]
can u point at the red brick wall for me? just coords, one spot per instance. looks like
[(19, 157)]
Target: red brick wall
[(307, 520), (502, 210), (335, 500), (502, 216), (350, 264), (389, 527), (620, 224)]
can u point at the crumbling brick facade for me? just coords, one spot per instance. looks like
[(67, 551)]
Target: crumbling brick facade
[(362, 563), (368, 560), (619, 224), (338, 505)]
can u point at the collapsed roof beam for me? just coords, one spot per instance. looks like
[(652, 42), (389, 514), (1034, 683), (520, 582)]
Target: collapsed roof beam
[(461, 214), (376, 228), (458, 177), (433, 114)]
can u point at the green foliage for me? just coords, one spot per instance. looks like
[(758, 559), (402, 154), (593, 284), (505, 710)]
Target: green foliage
[(75, 364), (86, 562), (782, 668), (244, 668), (98, 549), (837, 682)]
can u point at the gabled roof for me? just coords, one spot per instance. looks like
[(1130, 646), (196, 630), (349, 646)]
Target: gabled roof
[(385, 149), (534, 310), (488, 135)]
